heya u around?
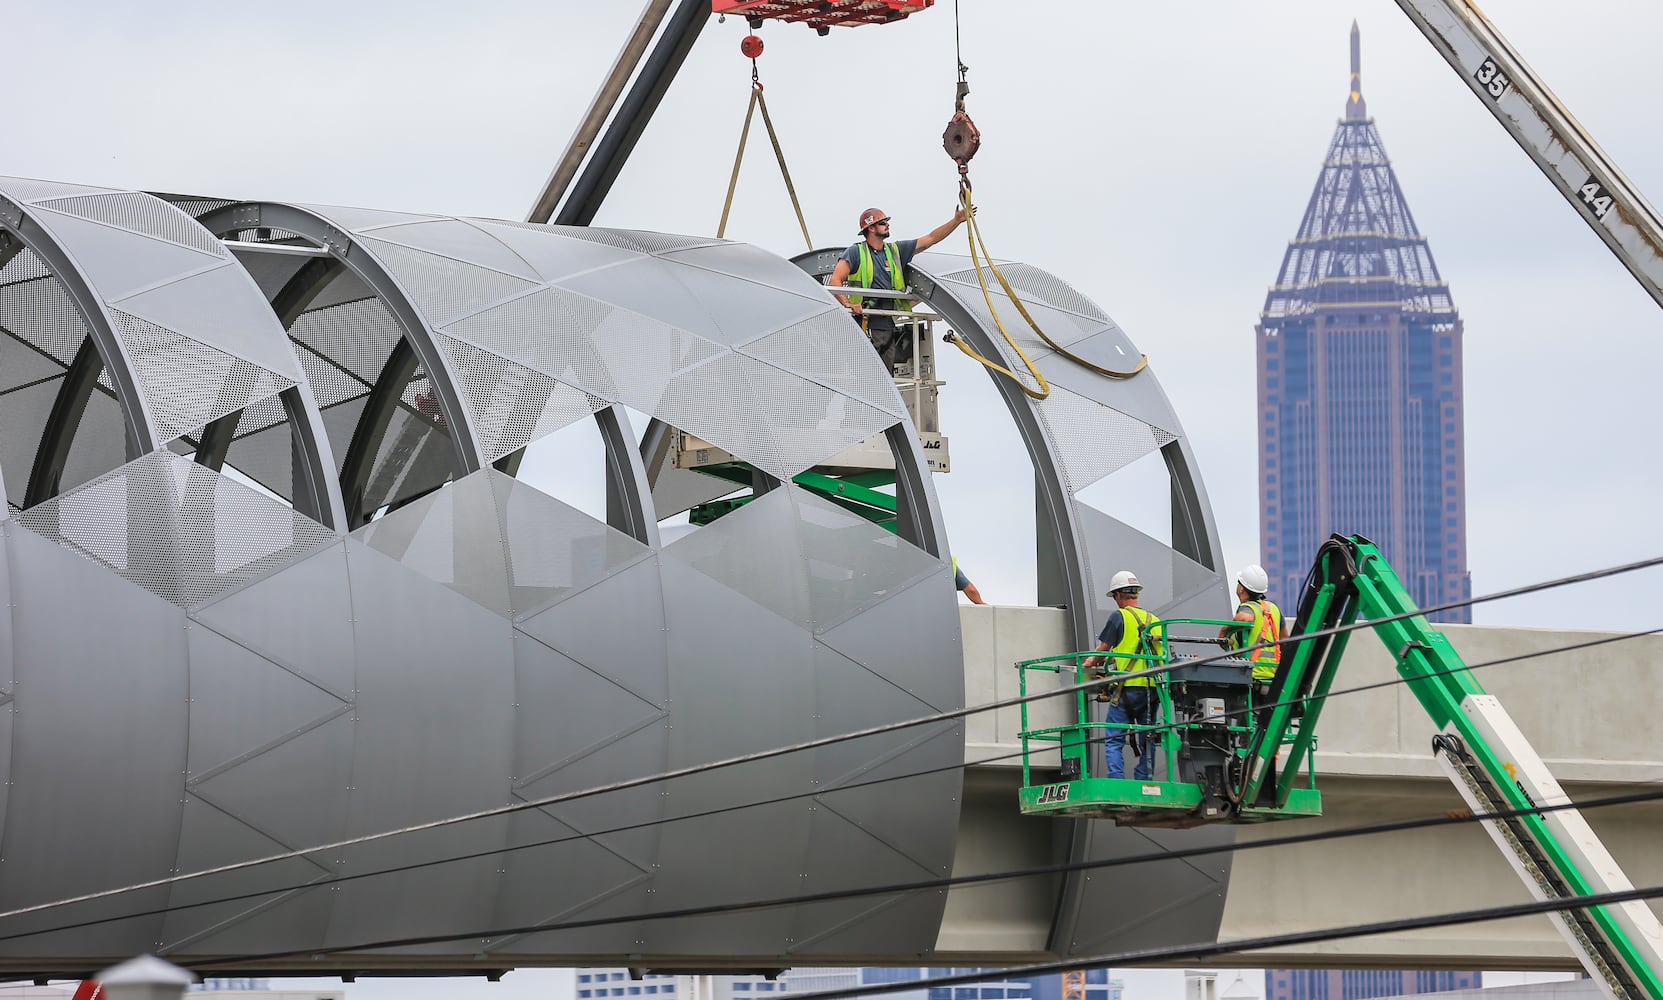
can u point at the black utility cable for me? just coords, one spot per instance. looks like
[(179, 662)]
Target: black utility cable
[(1189, 953), (761, 755), (947, 882)]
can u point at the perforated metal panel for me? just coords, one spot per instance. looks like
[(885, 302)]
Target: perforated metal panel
[(176, 528), (444, 288), (140, 213), (818, 350), (188, 383), (778, 422), (511, 404), (356, 336), (552, 331), (1092, 439), (501, 544), (1042, 285), (35, 308), (25, 189)]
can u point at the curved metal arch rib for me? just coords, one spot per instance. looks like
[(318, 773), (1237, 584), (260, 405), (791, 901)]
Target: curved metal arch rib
[(1064, 549), (27, 231)]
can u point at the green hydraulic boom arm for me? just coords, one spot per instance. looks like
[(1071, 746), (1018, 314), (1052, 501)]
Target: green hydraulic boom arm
[(1483, 752)]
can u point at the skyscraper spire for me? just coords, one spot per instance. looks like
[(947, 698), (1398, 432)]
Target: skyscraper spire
[(1356, 109)]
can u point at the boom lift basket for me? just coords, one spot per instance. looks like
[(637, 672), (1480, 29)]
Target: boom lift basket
[(1206, 718), (823, 13)]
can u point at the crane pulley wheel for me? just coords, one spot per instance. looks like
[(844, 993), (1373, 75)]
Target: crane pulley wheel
[(961, 140)]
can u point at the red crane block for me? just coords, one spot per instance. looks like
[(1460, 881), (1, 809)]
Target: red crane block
[(823, 13)]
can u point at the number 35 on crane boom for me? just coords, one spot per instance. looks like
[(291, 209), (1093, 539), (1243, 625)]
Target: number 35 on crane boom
[(822, 14)]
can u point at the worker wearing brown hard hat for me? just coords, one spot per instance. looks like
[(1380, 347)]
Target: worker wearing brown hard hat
[(875, 262)]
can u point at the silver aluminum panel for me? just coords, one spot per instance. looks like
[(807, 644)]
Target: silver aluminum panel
[(243, 704), (186, 382), (88, 698), (262, 618), (27, 189), (1181, 899), (117, 263), (502, 544), (552, 251), (555, 875), (551, 331), (1091, 439), (291, 915), (817, 349), (1174, 586), (512, 405), (358, 220), (753, 265), (459, 240), (224, 309), (906, 640), (742, 310), (444, 289), (140, 213), (433, 737), (615, 627), (176, 528), (649, 287)]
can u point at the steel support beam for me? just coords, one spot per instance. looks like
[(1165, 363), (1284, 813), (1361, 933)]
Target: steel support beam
[(80, 381), (606, 98), (633, 115)]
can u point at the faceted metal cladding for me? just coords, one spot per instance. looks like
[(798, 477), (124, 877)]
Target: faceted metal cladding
[(1088, 428), (205, 666)]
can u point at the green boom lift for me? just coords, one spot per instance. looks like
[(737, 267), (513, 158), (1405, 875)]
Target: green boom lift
[(1236, 752)]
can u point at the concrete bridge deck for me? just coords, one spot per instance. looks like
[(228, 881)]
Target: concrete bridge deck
[(1589, 713)]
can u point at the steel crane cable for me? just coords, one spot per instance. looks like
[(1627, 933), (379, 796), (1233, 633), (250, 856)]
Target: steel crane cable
[(992, 706), (961, 140), (760, 755), (752, 47)]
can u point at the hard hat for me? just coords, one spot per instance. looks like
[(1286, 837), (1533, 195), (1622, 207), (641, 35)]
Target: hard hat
[(872, 217), (1124, 580), (1252, 577)]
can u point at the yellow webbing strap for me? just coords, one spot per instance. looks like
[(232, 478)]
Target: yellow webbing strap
[(757, 101), (978, 249)]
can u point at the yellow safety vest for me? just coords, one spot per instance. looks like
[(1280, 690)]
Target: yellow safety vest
[(863, 275), (1135, 622), (1267, 627)]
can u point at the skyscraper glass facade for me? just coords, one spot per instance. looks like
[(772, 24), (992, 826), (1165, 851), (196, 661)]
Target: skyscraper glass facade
[(1359, 383)]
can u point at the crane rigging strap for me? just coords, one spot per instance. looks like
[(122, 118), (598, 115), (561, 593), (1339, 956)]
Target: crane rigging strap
[(758, 101), (961, 141)]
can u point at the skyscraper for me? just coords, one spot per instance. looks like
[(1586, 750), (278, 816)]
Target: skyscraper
[(1359, 357)]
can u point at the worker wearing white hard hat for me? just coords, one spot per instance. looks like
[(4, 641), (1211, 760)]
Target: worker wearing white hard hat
[(1133, 703), (1262, 620)]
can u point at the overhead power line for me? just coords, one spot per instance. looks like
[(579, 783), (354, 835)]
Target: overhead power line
[(1200, 952), (761, 755)]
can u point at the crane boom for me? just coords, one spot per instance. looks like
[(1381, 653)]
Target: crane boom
[(1548, 132)]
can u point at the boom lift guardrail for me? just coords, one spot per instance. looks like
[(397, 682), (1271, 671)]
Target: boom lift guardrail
[(1260, 755)]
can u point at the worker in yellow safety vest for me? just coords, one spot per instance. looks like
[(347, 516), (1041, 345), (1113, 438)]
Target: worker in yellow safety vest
[(875, 262), (1132, 703), (1262, 623)]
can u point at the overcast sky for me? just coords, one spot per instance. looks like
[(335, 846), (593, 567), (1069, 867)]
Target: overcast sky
[(1157, 156)]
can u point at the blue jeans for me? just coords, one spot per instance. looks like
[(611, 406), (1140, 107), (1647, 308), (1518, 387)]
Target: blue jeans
[(1134, 707)]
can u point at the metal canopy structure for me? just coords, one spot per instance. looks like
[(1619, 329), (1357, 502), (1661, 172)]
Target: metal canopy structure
[(273, 588)]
